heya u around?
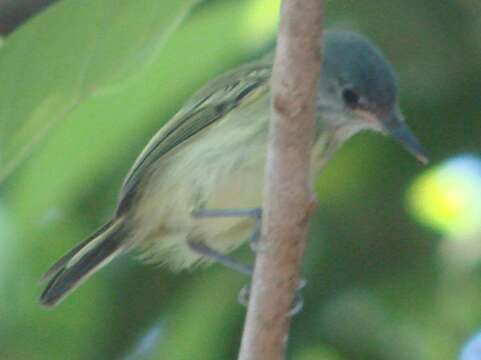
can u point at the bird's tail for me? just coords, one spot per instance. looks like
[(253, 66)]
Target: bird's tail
[(82, 261)]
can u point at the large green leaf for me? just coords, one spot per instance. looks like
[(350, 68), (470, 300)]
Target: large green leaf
[(87, 149), (71, 52), (98, 134)]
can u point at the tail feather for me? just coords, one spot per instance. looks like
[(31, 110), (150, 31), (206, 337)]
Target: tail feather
[(82, 261), (60, 264)]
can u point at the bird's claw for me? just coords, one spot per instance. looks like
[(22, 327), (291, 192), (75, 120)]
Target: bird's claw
[(297, 304)]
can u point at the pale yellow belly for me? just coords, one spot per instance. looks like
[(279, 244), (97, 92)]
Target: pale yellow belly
[(222, 169)]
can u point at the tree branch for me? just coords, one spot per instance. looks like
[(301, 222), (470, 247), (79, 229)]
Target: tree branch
[(15, 12), (288, 198)]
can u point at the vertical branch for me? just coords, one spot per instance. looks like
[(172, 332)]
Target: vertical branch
[(288, 198)]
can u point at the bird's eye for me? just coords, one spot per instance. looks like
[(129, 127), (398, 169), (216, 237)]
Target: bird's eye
[(351, 97)]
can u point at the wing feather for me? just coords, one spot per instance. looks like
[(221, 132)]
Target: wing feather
[(207, 106)]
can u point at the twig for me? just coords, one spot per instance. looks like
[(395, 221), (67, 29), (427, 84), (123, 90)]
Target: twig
[(288, 198)]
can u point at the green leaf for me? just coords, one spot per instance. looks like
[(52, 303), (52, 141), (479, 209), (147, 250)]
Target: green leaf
[(100, 134), (71, 52), (70, 181)]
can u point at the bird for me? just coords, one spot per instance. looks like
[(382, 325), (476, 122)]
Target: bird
[(194, 192)]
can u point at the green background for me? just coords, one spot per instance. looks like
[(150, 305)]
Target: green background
[(83, 86)]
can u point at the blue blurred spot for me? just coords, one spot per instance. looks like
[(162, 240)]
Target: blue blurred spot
[(472, 348), (467, 165)]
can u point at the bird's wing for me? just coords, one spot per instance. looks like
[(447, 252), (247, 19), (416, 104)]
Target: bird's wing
[(208, 105)]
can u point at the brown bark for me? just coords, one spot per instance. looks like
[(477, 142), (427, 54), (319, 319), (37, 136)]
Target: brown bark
[(288, 198)]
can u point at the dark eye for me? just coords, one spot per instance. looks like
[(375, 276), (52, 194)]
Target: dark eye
[(351, 97)]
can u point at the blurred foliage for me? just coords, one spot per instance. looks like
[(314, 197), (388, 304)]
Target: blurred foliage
[(83, 87), (448, 196)]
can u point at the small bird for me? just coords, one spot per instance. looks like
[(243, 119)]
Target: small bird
[(194, 193)]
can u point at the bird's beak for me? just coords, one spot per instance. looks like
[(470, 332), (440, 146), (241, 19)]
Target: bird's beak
[(395, 125)]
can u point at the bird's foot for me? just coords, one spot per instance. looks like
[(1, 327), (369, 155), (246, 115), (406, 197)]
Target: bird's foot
[(297, 304)]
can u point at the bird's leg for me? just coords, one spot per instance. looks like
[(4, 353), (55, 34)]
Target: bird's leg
[(202, 249), (255, 213), (256, 234)]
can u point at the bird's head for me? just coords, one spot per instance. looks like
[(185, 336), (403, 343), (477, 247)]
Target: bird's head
[(358, 90)]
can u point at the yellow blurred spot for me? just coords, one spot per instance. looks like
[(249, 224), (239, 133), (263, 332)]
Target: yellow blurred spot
[(448, 197), (260, 21)]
